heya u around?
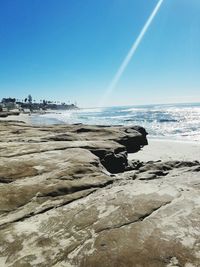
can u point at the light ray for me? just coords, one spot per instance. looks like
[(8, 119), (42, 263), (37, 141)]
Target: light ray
[(130, 54)]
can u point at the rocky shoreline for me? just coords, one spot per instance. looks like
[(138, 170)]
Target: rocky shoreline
[(5, 114), (70, 197)]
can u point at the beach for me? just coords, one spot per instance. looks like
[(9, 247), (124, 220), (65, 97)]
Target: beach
[(100, 133), (165, 150)]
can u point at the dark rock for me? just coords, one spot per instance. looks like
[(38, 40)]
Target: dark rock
[(115, 163), (134, 139), (4, 114), (134, 165)]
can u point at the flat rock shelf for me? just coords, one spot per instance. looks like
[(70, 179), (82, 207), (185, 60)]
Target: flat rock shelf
[(69, 197)]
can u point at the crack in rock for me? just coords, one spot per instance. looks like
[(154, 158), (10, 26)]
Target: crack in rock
[(41, 211), (140, 219)]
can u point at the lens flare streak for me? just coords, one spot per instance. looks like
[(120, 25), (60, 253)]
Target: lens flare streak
[(131, 53)]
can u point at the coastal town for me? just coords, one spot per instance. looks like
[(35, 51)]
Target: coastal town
[(13, 106)]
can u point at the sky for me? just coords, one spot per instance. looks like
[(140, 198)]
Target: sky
[(70, 50)]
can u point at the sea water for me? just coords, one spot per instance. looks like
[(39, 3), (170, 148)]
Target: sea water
[(171, 121)]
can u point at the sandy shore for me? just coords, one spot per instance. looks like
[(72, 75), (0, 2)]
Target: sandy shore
[(22, 117), (168, 150)]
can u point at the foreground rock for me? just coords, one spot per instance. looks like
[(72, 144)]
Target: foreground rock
[(61, 204), (4, 114)]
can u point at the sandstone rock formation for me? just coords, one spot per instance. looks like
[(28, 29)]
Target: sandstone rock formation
[(4, 114), (69, 197)]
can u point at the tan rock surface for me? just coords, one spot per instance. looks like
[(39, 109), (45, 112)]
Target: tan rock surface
[(59, 205)]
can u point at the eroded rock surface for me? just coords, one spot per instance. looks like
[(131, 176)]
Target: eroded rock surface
[(69, 197)]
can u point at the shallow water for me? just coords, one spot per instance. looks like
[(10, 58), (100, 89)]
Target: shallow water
[(174, 121)]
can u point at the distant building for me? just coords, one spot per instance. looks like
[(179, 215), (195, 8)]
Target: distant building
[(8, 103), (28, 105)]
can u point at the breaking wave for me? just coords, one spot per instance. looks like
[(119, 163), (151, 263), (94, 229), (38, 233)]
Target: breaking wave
[(181, 121)]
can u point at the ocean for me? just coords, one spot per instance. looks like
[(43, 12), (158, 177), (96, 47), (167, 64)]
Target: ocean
[(169, 121)]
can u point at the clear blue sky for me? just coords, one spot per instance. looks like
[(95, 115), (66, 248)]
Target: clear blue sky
[(71, 49)]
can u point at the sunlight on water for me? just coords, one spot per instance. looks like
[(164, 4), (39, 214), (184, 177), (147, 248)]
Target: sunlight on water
[(163, 121)]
